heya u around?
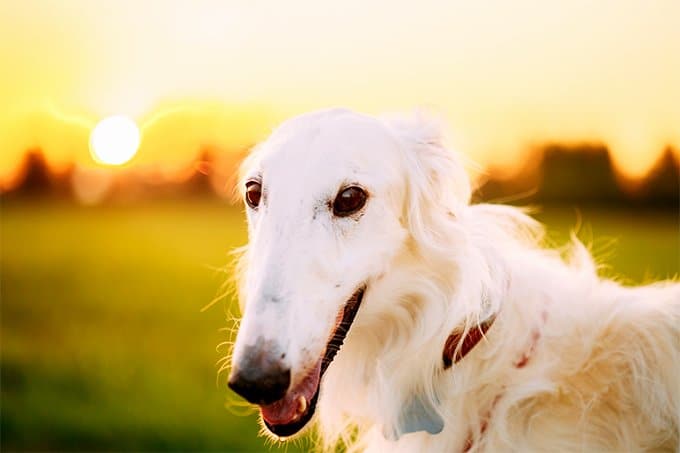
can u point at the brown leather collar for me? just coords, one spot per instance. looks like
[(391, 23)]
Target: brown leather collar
[(452, 354)]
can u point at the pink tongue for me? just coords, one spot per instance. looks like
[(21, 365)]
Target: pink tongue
[(285, 410)]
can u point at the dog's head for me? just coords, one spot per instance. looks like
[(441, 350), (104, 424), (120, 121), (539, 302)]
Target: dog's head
[(332, 199)]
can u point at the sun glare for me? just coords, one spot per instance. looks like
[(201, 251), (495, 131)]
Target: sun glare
[(114, 140)]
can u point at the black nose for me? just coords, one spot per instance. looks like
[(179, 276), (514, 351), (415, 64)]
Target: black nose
[(260, 384)]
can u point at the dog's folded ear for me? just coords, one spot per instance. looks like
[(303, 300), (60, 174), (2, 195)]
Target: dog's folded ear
[(438, 186), (417, 414)]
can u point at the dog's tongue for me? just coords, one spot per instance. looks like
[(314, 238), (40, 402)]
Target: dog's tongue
[(290, 407)]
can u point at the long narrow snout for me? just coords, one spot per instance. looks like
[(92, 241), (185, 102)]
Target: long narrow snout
[(260, 376)]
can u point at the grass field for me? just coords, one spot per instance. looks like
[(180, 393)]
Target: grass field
[(104, 345)]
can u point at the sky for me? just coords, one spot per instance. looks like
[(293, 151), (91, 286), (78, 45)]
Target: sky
[(505, 76)]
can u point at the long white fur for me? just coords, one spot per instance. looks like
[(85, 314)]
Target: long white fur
[(602, 368)]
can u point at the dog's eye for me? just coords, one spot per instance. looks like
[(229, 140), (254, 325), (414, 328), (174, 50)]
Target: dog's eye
[(349, 201), (253, 193)]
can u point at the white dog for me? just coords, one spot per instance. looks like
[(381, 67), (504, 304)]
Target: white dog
[(460, 332)]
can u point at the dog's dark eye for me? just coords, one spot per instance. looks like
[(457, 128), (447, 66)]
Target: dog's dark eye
[(253, 193), (349, 201)]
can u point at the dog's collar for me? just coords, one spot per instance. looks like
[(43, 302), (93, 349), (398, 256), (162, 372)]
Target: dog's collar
[(419, 414), (453, 353)]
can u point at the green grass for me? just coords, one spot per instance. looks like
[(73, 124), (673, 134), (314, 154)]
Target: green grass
[(631, 246), (105, 347)]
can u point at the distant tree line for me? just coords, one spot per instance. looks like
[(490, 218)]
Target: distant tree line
[(585, 175), (577, 175)]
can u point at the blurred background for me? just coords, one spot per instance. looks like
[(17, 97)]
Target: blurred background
[(122, 123)]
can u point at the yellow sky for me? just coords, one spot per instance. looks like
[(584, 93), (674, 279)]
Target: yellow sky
[(506, 75)]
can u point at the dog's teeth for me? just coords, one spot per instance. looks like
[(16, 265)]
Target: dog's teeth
[(302, 404)]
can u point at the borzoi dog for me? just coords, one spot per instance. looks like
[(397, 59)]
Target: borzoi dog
[(382, 305)]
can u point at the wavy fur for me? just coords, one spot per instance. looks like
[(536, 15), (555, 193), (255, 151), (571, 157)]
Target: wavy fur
[(573, 362)]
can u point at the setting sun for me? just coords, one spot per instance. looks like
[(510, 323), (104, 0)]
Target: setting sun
[(114, 140)]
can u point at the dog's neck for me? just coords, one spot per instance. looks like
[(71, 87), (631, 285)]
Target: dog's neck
[(399, 347), (396, 353)]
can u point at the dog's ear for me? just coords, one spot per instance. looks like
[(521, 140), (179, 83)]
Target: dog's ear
[(438, 187), (417, 414)]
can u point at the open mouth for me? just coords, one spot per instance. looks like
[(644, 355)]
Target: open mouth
[(292, 412)]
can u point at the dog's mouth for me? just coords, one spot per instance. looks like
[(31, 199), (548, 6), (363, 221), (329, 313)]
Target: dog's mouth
[(291, 413)]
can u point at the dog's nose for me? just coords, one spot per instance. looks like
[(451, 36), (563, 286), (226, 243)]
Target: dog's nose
[(260, 386), (259, 379)]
